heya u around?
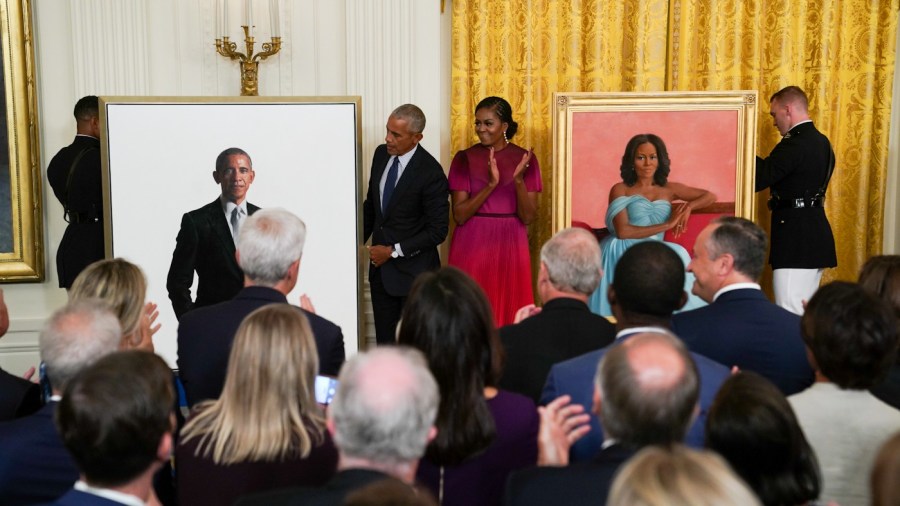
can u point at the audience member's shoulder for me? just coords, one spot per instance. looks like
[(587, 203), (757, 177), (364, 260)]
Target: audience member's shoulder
[(202, 314), (506, 399), (709, 368), (589, 359), (577, 483), (319, 323), (285, 497)]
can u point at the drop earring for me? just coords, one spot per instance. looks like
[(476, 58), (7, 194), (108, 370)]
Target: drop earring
[(504, 137)]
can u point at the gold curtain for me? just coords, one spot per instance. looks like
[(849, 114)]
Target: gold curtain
[(841, 52)]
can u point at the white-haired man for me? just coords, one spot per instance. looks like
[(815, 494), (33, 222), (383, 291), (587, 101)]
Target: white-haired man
[(270, 244)]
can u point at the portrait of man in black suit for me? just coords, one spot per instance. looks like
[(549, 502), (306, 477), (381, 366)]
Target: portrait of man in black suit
[(406, 212), (205, 243)]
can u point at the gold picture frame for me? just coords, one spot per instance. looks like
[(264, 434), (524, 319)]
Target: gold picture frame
[(710, 135), (21, 223)]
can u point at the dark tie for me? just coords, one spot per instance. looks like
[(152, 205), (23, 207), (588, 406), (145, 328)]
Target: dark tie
[(390, 183)]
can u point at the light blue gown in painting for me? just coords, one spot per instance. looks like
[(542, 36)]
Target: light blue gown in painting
[(642, 213)]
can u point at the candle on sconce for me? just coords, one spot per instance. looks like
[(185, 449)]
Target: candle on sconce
[(249, 4), (224, 18), (274, 17)]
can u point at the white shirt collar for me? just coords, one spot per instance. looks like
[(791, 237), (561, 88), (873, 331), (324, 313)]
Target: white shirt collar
[(112, 495), (795, 125), (405, 157), (228, 206), (736, 286)]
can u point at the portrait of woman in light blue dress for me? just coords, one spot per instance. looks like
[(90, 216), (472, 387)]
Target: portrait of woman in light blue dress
[(641, 209)]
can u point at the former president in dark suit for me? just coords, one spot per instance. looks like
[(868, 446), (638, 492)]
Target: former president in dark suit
[(406, 212), (205, 242), (270, 246), (797, 171)]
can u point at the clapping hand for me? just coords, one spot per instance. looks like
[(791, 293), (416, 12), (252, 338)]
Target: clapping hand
[(520, 169), (562, 423), (306, 304), (492, 168)]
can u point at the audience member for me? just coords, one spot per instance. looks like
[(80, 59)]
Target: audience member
[(122, 286), (390, 492), (269, 248), (645, 393), (740, 327), (885, 486), (35, 466), (18, 396), (679, 477), (564, 327), (752, 425), (116, 421), (881, 276), (852, 340), (382, 417), (266, 430), (483, 433), (648, 287)]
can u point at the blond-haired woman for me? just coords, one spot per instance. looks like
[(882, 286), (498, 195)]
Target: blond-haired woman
[(679, 476), (266, 430), (123, 287)]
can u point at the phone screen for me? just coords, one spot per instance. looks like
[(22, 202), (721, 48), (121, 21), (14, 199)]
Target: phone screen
[(325, 389)]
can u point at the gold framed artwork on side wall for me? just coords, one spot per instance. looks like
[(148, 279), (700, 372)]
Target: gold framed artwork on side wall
[(21, 225)]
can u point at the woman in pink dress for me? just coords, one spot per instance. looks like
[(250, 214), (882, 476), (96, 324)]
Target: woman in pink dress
[(494, 186)]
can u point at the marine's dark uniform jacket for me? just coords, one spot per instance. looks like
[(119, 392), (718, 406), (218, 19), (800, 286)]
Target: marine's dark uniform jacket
[(797, 169)]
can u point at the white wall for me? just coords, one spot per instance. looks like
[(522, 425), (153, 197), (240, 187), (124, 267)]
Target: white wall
[(387, 51)]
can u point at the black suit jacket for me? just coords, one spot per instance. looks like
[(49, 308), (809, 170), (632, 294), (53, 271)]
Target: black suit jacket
[(565, 328), (205, 336), (82, 243), (332, 494), (417, 217), (743, 328), (204, 244), (585, 483), (797, 168), (18, 396)]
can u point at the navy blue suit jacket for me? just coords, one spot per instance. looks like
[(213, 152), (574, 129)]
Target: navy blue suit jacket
[(78, 498), (204, 244), (743, 328), (575, 377), (205, 336), (34, 465), (586, 483)]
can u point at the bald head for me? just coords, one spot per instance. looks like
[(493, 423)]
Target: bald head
[(647, 389), (385, 406)]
